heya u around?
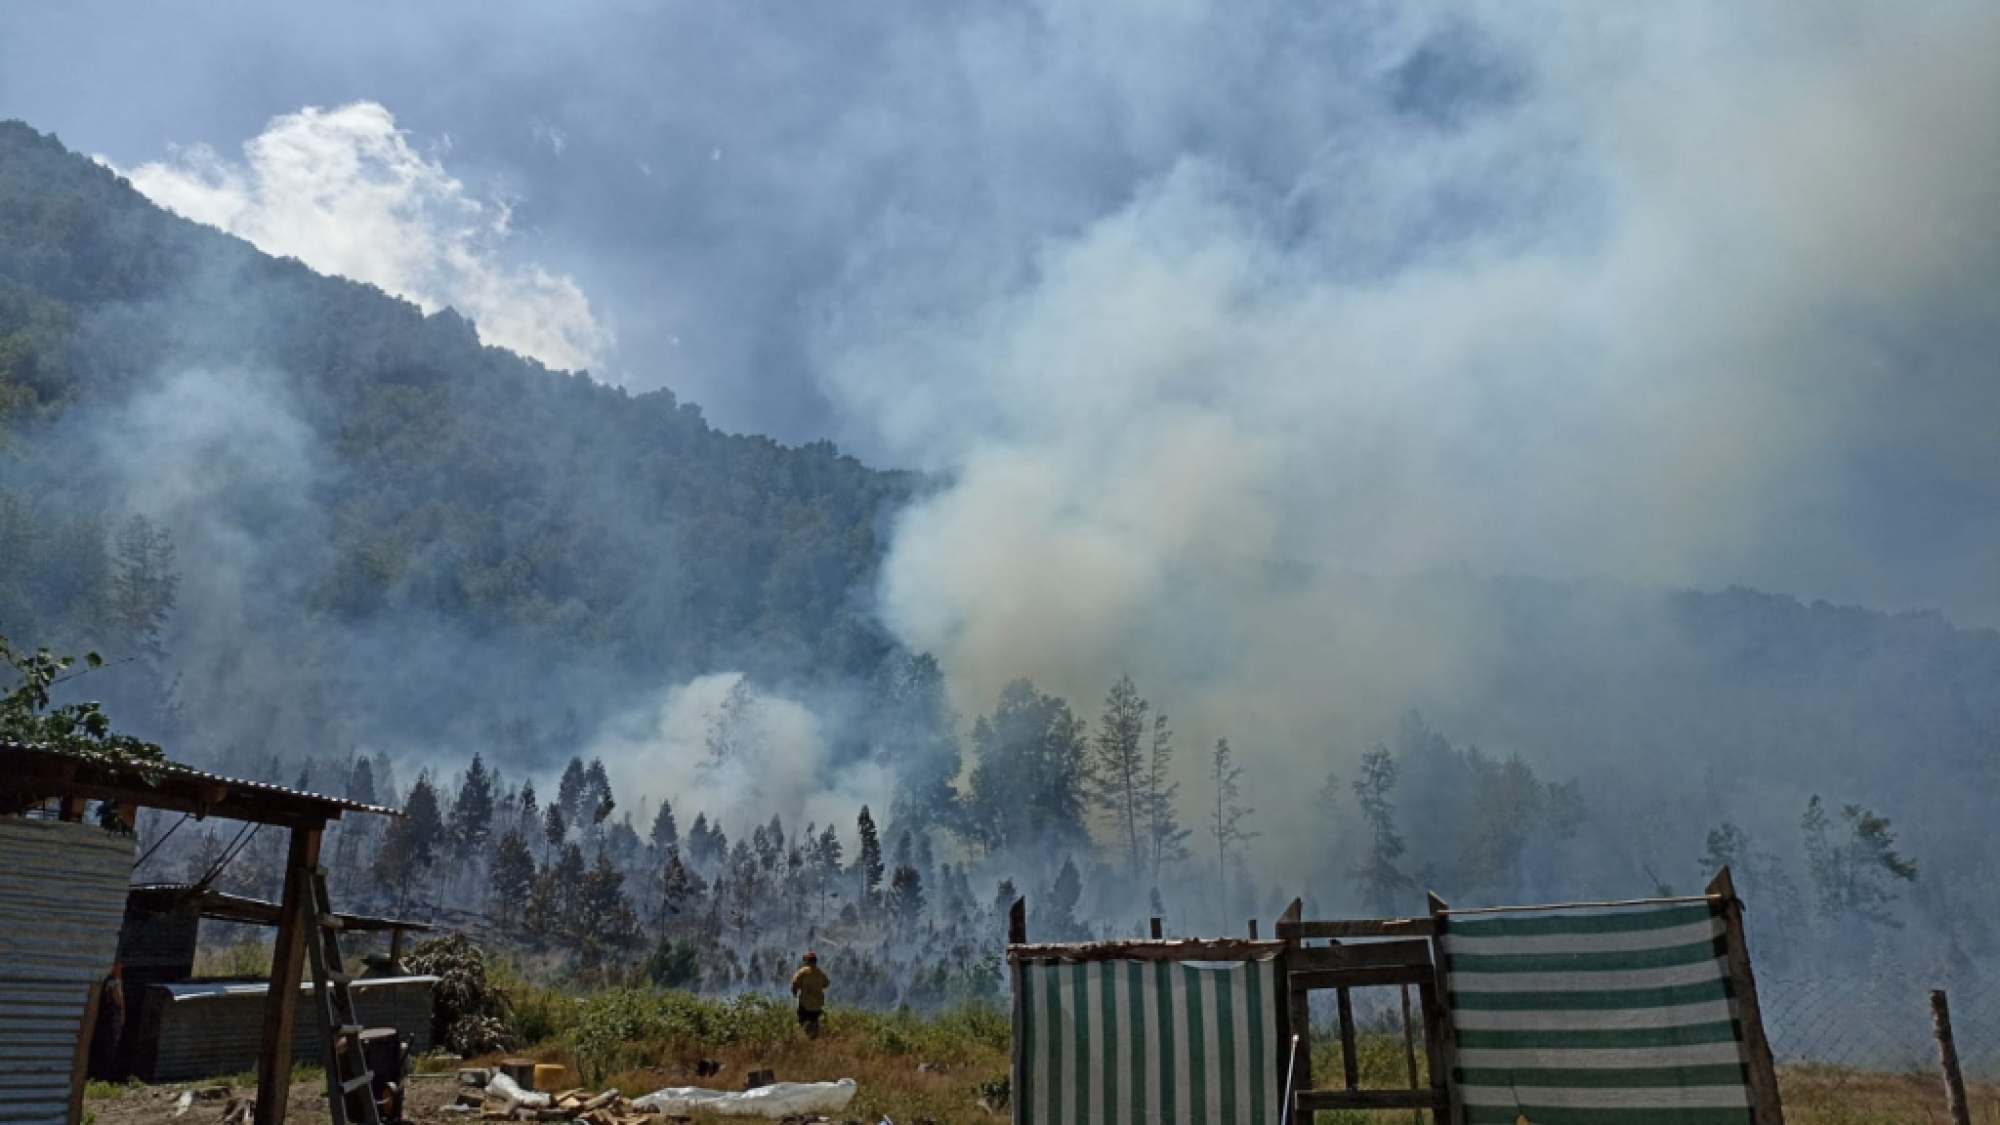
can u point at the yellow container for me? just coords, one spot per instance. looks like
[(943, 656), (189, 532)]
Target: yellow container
[(551, 1076)]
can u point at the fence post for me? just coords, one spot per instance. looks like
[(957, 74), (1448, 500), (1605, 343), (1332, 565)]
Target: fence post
[(1764, 1096), (1954, 1082)]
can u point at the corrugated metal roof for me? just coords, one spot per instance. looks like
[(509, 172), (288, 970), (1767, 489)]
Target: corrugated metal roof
[(148, 770), (62, 894)]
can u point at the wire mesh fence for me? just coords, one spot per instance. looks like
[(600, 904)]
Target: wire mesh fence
[(1880, 1021)]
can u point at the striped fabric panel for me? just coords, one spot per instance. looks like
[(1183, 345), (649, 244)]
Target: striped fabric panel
[(1147, 1043), (1613, 1016)]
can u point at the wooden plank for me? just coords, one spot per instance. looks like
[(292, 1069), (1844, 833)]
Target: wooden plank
[(1297, 1014), (1312, 1101), (288, 953), (1213, 949), (1433, 1017), (1445, 1061), (1375, 976), (1954, 1081), (1357, 928), (1369, 955), (1017, 922), (1409, 1040), (1765, 1102), (79, 1072), (1350, 1066)]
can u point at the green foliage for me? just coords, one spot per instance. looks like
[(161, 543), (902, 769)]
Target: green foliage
[(29, 714), (1028, 786), (469, 1015), (675, 963), (619, 1027)]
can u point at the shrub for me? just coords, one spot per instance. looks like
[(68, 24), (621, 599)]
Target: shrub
[(468, 1016)]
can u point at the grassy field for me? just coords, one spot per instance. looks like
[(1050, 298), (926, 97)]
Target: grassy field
[(913, 1068)]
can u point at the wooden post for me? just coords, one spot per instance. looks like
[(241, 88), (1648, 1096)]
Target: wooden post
[(396, 950), (1410, 1046), (1764, 1100), (1155, 930), (1954, 1082), (1017, 934), (1350, 1068), (1253, 929), (86, 1032), (1444, 1057), (1298, 1013), (288, 952)]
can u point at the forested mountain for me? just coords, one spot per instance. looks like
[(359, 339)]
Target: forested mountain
[(319, 533), (383, 530)]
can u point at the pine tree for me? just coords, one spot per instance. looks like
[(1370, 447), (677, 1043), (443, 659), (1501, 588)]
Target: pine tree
[(604, 924), (1058, 916), (530, 810), (472, 813), (596, 797), (1855, 876), (826, 864), (869, 863), (1226, 826), (1003, 898), (665, 835), (411, 845), (513, 872), (361, 782), (906, 896), (1117, 784), (1166, 839), (570, 792), (1381, 879), (555, 829)]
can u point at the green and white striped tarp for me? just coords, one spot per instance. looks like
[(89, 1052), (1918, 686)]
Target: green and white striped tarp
[(1612, 1016), (1147, 1043)]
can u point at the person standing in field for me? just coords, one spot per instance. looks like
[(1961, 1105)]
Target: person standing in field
[(809, 985)]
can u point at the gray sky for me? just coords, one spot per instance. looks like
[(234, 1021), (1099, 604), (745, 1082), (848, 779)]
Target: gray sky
[(1702, 294)]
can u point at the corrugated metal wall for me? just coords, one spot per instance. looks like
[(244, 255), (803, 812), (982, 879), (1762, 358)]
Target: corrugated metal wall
[(204, 1030), (62, 896)]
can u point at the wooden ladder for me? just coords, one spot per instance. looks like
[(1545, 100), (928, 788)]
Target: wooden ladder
[(347, 1073)]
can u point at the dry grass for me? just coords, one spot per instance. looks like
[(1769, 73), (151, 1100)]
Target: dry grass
[(1823, 1095)]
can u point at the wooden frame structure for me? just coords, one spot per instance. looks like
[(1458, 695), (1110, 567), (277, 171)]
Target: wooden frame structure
[(34, 777), (1366, 953)]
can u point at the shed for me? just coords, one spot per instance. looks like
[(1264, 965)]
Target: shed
[(61, 882), (177, 1027)]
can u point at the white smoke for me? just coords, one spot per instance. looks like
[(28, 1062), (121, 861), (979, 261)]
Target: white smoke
[(345, 192), (719, 746)]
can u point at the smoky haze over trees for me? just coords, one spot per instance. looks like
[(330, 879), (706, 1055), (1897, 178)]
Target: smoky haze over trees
[(631, 680)]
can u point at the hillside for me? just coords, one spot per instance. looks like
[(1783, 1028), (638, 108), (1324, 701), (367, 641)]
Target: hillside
[(382, 530)]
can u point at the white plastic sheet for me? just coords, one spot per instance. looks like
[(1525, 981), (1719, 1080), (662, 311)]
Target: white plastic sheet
[(502, 1086), (779, 1099)]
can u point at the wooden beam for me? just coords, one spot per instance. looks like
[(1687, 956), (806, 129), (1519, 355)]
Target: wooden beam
[(1017, 922), (1764, 1100), (1191, 949), (1298, 1015), (79, 1072), (1154, 929), (1357, 928), (1349, 1065), (1370, 955), (1379, 976), (274, 1056), (1446, 1058), (1954, 1081)]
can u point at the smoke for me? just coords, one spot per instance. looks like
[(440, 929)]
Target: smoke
[(344, 191), (717, 745), (1670, 301)]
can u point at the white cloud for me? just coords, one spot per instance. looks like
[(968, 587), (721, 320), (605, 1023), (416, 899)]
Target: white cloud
[(344, 191)]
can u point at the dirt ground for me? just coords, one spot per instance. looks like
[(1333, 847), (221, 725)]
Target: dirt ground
[(150, 1105)]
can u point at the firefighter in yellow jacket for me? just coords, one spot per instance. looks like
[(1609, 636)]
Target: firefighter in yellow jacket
[(809, 985)]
